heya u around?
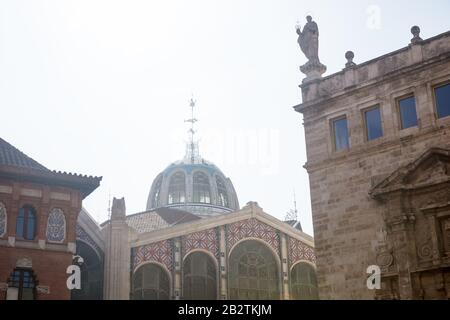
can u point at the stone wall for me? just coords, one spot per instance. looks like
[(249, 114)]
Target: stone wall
[(349, 225)]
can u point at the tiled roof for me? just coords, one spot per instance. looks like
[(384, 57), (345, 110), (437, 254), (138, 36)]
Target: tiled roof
[(14, 164), (11, 156), (158, 219)]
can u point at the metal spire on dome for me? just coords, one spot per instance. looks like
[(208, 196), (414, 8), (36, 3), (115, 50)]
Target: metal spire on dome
[(292, 215), (192, 152)]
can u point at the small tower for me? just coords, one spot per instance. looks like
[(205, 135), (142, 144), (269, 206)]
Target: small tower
[(117, 254)]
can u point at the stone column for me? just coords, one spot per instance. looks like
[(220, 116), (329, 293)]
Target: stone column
[(177, 268), (117, 255), (223, 259), (284, 266)]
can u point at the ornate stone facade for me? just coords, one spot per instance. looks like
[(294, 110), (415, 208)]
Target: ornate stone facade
[(382, 201)]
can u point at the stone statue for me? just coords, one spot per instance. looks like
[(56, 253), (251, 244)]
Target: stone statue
[(308, 39)]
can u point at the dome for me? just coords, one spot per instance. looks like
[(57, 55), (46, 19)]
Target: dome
[(197, 186)]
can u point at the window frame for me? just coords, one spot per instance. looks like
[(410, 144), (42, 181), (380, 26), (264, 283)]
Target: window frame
[(191, 275), (366, 128), (25, 223), (21, 278), (162, 271), (270, 258), (226, 198), (293, 286), (203, 192), (435, 102), (176, 191), (333, 133), (398, 110)]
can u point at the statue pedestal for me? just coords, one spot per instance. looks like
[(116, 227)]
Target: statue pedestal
[(313, 70)]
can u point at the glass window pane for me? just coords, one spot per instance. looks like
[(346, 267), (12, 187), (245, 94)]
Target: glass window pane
[(408, 114), (177, 188), (341, 134), (201, 188), (150, 282), (373, 123), (253, 272), (199, 277), (19, 224), (442, 94), (31, 222)]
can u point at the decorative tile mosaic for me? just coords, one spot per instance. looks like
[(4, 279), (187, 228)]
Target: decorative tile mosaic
[(56, 226), (254, 229), (206, 240), (300, 251), (161, 252)]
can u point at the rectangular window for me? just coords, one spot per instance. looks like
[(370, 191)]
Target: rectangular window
[(374, 128), (340, 131), (408, 115), (442, 95)]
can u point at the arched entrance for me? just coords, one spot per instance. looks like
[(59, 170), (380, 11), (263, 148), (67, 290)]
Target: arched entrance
[(304, 282), (253, 272), (151, 282), (199, 277), (91, 274)]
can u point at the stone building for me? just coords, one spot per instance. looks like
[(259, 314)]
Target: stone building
[(39, 209), (378, 158)]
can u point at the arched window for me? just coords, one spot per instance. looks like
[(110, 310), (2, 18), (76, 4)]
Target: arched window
[(151, 282), (177, 188), (56, 226), (21, 285), (253, 272), (201, 188), (304, 282), (199, 277), (157, 193), (91, 274), (26, 223), (222, 200), (3, 220)]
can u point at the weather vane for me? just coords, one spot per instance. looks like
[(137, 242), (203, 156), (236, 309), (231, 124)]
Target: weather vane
[(192, 145)]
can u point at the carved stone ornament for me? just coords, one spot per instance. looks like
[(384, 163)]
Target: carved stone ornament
[(385, 260), (24, 263), (425, 251), (43, 289)]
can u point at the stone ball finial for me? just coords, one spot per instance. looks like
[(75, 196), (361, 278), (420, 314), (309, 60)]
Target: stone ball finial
[(349, 55), (415, 30)]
